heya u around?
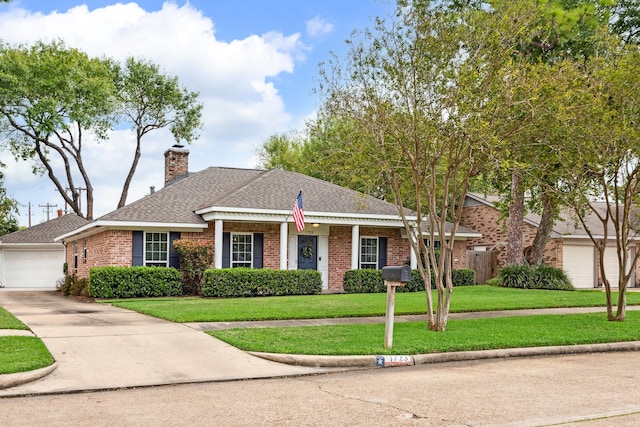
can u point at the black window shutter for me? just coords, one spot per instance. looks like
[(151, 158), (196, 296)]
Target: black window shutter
[(258, 239), (382, 252), (226, 250), (174, 260), (137, 246)]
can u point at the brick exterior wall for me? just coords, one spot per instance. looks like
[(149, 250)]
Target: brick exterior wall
[(339, 255), (486, 220), (176, 164), (114, 248)]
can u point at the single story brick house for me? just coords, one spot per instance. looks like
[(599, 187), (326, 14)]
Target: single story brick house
[(245, 215), (569, 246), (31, 259)]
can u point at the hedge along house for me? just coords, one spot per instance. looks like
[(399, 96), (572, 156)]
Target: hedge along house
[(246, 216), (569, 247)]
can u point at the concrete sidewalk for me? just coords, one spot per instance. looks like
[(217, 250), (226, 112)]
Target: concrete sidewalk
[(97, 347)]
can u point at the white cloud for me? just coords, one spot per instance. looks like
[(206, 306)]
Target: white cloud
[(317, 27), (242, 106)]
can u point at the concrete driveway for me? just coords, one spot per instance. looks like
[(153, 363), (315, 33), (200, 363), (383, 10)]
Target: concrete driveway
[(98, 346)]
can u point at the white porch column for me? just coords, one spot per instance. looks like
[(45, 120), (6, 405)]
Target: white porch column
[(217, 253), (414, 259), (355, 246), (284, 244)]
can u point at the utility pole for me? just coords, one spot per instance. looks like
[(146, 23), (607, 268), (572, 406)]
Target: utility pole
[(48, 207), (28, 205)]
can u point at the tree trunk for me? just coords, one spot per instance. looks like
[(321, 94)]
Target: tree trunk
[(127, 181), (549, 212), (515, 254)]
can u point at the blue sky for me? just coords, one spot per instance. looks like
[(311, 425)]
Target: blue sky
[(254, 63)]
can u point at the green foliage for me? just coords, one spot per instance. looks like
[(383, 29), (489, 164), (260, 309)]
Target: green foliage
[(131, 282), (9, 321), (363, 281), (195, 257), (74, 286), (368, 281), (414, 338), (534, 277), (22, 354), (463, 277), (248, 282), (468, 299), (149, 100)]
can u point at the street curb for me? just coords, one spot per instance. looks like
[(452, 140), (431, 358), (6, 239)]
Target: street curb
[(16, 332), (423, 359), (12, 380)]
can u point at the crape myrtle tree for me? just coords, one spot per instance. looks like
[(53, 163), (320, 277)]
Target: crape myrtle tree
[(52, 98), (432, 102), (602, 162)]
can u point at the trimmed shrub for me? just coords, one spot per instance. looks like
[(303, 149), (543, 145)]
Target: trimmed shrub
[(463, 277), (71, 285), (252, 282), (363, 281), (533, 277), (367, 281), (132, 282)]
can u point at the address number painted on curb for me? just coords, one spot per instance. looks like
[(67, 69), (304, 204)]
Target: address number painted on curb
[(384, 361)]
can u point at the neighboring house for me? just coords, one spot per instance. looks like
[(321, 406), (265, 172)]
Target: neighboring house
[(569, 246), (31, 258), (245, 215)]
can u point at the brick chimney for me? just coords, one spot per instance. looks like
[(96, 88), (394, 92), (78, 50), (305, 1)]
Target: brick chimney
[(176, 164)]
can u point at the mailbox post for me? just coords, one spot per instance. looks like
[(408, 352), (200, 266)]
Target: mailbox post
[(393, 276)]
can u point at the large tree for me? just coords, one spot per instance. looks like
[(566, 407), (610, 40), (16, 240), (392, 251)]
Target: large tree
[(149, 100), (51, 98), (433, 103)]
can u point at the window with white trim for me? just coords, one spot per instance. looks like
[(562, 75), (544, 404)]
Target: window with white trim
[(241, 250), (156, 249), (369, 253), (75, 256)]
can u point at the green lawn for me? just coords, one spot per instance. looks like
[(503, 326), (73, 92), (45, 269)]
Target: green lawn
[(414, 338), (20, 354), (464, 299), (8, 321)]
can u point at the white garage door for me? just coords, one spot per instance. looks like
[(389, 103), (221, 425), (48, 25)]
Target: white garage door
[(33, 269), (611, 265), (579, 264)]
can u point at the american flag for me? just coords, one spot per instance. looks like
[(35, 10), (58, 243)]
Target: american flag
[(298, 213)]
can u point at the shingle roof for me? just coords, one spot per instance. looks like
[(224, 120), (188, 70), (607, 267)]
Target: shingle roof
[(45, 232), (246, 189), (567, 223)]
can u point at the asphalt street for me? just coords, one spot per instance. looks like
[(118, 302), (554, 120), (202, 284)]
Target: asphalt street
[(586, 390)]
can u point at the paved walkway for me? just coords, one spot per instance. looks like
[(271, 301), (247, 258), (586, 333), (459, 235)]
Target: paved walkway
[(97, 346)]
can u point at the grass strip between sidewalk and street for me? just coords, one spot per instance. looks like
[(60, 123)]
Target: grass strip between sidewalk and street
[(413, 338), (21, 354), (464, 299), (9, 321)]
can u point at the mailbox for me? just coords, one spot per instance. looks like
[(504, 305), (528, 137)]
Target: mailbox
[(397, 273)]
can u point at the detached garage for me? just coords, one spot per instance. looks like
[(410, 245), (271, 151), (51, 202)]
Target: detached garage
[(30, 259)]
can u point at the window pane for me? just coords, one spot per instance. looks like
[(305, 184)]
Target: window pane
[(241, 250), (369, 252), (156, 249)]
